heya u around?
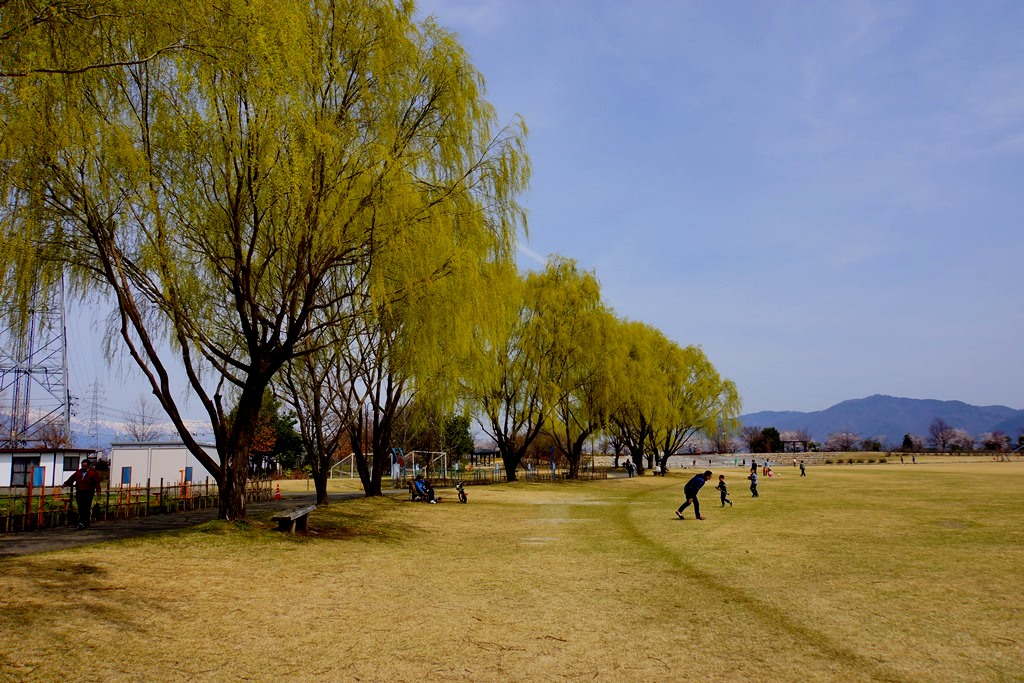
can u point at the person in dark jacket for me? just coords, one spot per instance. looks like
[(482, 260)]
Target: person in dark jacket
[(86, 481), (691, 490)]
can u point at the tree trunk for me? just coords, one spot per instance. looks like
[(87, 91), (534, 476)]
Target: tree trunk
[(240, 475), (381, 460), (511, 462), (237, 449), (638, 459), (574, 467), (320, 482), (364, 470), (575, 455)]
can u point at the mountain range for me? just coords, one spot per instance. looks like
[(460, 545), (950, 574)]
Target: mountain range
[(888, 418)]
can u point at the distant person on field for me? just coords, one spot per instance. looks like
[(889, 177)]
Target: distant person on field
[(753, 481), (86, 482), (691, 490), (723, 490), (803, 469)]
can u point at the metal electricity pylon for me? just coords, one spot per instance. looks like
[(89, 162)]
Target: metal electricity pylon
[(35, 403)]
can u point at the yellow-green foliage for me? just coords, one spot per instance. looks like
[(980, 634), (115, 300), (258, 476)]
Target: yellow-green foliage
[(243, 174), (262, 161)]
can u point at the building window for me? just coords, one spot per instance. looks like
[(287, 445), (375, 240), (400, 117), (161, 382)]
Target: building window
[(21, 470), (71, 462), (126, 476)]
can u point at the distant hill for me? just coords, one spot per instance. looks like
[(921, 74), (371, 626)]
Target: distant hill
[(891, 417)]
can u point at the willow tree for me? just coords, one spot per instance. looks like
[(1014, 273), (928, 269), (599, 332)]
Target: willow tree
[(641, 392), (502, 379), (409, 345), (223, 193), (317, 386), (699, 401), (574, 327)]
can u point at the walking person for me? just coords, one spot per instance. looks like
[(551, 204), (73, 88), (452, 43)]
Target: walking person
[(691, 490), (723, 490), (753, 482), (803, 469), (86, 482)]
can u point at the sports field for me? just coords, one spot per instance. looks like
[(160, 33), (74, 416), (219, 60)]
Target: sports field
[(872, 572)]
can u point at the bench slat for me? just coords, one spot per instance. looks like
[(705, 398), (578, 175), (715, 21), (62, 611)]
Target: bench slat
[(293, 520)]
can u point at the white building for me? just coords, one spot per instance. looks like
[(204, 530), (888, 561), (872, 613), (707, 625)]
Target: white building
[(18, 465), (139, 464)]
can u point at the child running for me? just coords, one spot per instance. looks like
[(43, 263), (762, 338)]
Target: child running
[(723, 490)]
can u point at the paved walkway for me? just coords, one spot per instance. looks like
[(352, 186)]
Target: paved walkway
[(47, 540)]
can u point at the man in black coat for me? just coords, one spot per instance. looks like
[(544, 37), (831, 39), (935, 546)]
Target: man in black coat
[(691, 490)]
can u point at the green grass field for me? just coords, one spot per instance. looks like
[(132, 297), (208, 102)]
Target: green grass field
[(886, 572)]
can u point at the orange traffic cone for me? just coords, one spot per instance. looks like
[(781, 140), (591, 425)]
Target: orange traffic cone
[(277, 493)]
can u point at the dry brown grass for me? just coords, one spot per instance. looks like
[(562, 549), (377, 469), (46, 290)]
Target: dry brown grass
[(862, 573)]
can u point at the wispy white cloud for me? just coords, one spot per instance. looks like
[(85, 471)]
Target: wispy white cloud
[(532, 255)]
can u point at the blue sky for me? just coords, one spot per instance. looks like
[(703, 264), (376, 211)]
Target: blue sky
[(827, 197)]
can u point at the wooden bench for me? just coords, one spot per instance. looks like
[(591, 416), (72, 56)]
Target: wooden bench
[(292, 520)]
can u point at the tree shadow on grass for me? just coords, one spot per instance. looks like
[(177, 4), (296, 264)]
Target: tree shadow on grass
[(362, 519)]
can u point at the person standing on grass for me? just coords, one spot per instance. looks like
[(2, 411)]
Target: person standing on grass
[(86, 482), (803, 469), (691, 490), (753, 481), (723, 490)]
